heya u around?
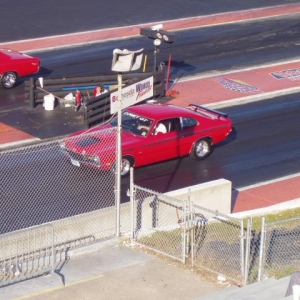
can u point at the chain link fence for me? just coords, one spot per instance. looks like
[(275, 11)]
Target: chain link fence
[(280, 251), (159, 222), (70, 185), (253, 248), (69, 182), (218, 243)]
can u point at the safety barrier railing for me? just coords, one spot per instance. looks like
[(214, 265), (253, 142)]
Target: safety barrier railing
[(96, 109), (26, 253)]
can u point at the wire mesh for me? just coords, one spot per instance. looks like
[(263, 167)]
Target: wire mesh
[(254, 243), (159, 222), (218, 244), (281, 251), (42, 183)]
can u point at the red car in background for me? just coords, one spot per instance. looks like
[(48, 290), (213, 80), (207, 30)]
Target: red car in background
[(14, 64), (150, 133)]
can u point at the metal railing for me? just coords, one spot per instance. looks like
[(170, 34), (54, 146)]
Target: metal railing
[(26, 253)]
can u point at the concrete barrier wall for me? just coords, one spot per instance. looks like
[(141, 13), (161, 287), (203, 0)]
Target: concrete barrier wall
[(214, 195), (101, 224), (153, 212), (85, 228)]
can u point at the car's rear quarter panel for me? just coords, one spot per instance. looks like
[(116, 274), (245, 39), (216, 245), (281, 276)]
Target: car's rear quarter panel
[(22, 65)]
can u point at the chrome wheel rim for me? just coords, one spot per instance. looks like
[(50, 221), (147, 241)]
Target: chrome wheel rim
[(125, 166), (202, 148), (9, 80)]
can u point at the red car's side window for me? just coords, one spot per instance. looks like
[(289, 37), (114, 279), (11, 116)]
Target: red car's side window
[(188, 122), (172, 124)]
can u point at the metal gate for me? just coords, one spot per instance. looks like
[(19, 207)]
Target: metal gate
[(218, 243), (158, 222)]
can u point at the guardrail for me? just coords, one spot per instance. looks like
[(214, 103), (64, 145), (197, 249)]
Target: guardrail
[(26, 254)]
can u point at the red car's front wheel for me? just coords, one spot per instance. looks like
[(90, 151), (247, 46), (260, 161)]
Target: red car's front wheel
[(126, 164)]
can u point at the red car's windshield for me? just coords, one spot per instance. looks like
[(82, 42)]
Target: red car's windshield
[(133, 123)]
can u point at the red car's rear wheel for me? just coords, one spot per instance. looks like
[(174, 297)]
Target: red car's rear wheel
[(201, 149), (8, 80)]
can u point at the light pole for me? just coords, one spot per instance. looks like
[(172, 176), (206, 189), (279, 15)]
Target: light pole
[(123, 61), (119, 152), (158, 36), (157, 43)]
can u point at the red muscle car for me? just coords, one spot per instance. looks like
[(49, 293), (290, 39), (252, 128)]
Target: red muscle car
[(151, 133), (14, 64)]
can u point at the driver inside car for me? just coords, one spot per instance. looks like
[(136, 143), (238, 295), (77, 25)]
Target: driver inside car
[(160, 128)]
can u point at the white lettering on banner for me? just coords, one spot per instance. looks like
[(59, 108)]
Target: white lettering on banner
[(132, 94)]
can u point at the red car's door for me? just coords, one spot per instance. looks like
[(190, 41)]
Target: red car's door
[(187, 137), (188, 134), (161, 147)]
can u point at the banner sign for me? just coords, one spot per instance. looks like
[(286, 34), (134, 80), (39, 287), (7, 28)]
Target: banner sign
[(132, 94)]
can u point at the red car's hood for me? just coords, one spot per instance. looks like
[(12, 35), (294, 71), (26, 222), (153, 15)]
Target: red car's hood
[(91, 141)]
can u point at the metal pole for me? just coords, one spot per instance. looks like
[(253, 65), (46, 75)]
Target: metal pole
[(155, 51), (119, 152), (168, 75), (247, 251), (184, 232), (261, 248), (31, 93), (131, 205)]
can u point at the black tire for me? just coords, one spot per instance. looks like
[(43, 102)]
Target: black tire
[(126, 164), (201, 149), (9, 80)]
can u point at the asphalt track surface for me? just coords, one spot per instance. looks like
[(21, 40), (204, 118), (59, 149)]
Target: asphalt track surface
[(86, 286), (258, 78), (33, 19)]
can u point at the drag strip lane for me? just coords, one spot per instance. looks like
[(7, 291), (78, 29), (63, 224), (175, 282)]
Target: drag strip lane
[(264, 147)]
